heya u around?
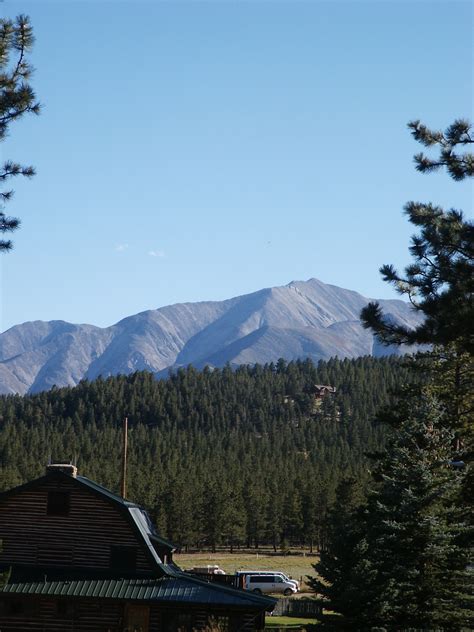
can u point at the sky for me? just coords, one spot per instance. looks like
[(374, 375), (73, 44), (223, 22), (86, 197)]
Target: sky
[(193, 151)]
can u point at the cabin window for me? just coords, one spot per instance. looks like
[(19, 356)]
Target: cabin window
[(123, 558), (261, 579), (58, 503)]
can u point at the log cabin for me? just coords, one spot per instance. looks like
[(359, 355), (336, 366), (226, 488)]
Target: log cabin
[(74, 557), (320, 391)]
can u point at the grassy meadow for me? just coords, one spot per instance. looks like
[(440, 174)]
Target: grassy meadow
[(295, 566)]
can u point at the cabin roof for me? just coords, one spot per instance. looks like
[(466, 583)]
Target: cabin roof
[(87, 482), (180, 589), (104, 491)]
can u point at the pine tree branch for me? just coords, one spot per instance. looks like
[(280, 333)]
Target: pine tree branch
[(16, 99)]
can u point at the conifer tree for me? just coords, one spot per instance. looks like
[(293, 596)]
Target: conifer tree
[(338, 569), (450, 378), (440, 281), (416, 528), (16, 99), (400, 562), (232, 517), (416, 533), (458, 135), (440, 285)]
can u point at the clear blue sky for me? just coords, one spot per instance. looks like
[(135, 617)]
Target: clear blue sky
[(200, 150)]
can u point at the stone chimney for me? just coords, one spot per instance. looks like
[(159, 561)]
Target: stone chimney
[(65, 468)]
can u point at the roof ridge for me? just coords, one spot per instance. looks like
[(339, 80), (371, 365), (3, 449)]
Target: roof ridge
[(97, 486)]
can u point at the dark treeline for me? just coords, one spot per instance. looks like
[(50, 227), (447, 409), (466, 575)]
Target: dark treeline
[(219, 457)]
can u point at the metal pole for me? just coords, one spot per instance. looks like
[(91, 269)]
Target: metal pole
[(124, 458)]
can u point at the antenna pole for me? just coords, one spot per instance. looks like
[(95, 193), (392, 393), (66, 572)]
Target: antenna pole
[(123, 490)]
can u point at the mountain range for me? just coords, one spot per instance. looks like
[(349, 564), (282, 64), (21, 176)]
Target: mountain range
[(299, 320)]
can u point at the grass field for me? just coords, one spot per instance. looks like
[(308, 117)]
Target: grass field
[(296, 566), (288, 623)]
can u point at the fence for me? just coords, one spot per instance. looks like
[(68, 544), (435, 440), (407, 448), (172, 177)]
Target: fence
[(293, 607), (229, 580), (286, 606)]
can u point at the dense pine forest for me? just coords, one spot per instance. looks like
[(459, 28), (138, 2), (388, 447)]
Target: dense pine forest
[(219, 457)]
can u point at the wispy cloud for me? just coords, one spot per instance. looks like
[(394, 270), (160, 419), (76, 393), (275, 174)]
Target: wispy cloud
[(121, 247), (157, 253)]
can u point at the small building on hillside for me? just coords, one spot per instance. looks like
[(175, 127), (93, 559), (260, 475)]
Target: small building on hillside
[(319, 391), (75, 557)]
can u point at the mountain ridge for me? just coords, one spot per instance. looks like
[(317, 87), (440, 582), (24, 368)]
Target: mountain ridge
[(300, 319)]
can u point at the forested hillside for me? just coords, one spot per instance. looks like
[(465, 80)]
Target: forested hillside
[(218, 456)]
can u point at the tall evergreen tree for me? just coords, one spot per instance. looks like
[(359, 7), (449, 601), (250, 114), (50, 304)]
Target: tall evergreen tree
[(416, 532), (232, 517), (16, 99), (339, 567), (440, 285), (440, 281), (410, 546), (400, 562)]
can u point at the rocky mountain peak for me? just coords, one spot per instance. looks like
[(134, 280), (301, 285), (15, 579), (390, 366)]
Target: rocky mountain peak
[(298, 320)]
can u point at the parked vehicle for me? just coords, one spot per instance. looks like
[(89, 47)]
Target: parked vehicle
[(267, 583), (210, 569), (285, 577)]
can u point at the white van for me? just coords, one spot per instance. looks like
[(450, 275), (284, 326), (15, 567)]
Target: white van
[(266, 583), (285, 577)]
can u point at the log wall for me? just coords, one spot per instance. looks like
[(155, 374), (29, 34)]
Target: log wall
[(41, 615), (81, 539)]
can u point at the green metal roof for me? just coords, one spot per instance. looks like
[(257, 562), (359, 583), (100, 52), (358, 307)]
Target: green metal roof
[(166, 589), (104, 491)]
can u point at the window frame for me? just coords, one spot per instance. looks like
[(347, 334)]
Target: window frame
[(58, 503)]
